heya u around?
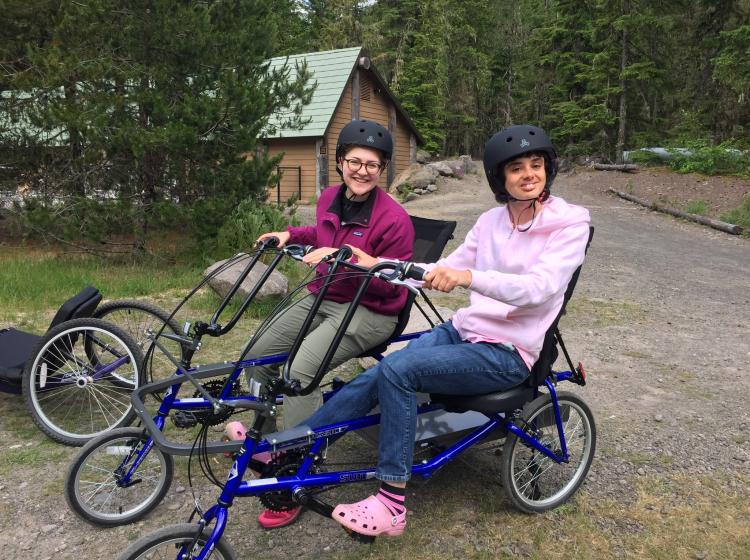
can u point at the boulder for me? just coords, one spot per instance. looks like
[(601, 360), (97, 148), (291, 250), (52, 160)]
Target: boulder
[(564, 165), (403, 177), (469, 164), (442, 168), (457, 168), (276, 284), (419, 177), (423, 156), (416, 323)]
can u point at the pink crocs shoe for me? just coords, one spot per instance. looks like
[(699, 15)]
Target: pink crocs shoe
[(370, 517), (235, 431)]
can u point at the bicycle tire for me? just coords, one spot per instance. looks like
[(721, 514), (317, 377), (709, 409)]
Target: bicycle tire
[(92, 484), (534, 482), (135, 317), (67, 396), (172, 536)]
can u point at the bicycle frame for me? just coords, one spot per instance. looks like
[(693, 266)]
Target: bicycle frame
[(317, 439), (312, 440)]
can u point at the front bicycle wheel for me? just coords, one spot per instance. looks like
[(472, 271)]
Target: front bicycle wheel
[(181, 541), (534, 482), (137, 318), (73, 398), (99, 487)]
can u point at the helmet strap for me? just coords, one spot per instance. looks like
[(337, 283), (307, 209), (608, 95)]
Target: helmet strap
[(533, 201), (351, 197)]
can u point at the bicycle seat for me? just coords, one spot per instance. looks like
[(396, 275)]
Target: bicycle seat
[(489, 403), (16, 346)]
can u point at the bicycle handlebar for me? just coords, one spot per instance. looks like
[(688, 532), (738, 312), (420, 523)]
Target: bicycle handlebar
[(395, 273)]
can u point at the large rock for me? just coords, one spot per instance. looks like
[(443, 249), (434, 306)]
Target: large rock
[(423, 156), (469, 164), (416, 323), (457, 168), (442, 167), (416, 176), (276, 284)]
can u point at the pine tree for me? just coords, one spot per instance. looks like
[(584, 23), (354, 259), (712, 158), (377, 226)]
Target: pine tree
[(159, 101)]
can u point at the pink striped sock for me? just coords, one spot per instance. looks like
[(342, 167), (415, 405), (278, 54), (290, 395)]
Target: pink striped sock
[(394, 501)]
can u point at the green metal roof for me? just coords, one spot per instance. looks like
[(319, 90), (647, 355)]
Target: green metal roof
[(330, 70)]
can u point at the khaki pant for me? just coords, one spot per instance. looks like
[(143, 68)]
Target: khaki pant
[(366, 330)]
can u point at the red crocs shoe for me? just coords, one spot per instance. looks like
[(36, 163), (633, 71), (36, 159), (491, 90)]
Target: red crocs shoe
[(370, 517), (270, 519)]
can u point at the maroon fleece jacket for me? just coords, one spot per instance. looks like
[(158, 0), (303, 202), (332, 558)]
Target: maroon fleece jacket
[(385, 231)]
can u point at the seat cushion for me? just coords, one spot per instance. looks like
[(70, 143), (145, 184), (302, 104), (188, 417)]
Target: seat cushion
[(15, 349), (490, 403)]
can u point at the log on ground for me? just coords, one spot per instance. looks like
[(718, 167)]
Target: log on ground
[(716, 224)]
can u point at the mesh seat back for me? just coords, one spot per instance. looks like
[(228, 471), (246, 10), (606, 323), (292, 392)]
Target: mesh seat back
[(549, 353), (430, 238)]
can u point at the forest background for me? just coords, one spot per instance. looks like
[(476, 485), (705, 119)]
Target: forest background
[(132, 118)]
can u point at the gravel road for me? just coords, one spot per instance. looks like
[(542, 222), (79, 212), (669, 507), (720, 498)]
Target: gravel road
[(660, 319)]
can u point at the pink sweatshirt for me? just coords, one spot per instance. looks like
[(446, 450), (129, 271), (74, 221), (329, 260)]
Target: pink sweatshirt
[(518, 278)]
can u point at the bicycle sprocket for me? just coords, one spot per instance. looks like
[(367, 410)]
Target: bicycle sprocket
[(207, 415)]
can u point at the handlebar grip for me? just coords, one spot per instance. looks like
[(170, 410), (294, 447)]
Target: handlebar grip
[(298, 251), (272, 241), (415, 272), (345, 253)]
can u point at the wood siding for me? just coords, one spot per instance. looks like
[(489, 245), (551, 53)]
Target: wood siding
[(298, 152), (341, 117), (403, 151)]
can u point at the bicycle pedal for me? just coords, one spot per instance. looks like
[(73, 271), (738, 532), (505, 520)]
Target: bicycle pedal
[(184, 419), (359, 537)]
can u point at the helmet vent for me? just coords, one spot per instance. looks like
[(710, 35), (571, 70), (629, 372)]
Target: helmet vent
[(532, 132), (509, 139)]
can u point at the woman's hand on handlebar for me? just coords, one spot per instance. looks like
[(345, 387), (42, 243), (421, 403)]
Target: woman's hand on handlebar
[(363, 259), (445, 279), (321, 253), (282, 236)]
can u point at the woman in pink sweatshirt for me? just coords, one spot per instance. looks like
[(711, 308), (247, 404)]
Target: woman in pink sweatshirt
[(517, 261)]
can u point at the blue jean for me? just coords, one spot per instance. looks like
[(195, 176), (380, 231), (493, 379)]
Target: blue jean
[(437, 362)]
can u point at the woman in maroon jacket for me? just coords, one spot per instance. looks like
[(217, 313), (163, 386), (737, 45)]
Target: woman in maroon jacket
[(360, 214)]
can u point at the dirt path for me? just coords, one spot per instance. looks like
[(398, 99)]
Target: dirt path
[(660, 319)]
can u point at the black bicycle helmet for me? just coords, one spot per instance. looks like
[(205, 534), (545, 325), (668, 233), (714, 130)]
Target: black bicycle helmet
[(510, 143), (367, 134)]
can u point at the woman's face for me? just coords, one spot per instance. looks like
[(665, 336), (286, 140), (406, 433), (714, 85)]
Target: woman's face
[(357, 177), (525, 177)]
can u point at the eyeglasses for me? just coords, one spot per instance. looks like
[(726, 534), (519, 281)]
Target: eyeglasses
[(371, 167)]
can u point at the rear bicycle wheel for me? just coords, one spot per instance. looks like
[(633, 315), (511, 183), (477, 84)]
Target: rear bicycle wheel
[(95, 485), (73, 398), (534, 482), (137, 318), (170, 541)]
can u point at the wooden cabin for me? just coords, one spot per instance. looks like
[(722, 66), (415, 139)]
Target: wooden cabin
[(348, 88)]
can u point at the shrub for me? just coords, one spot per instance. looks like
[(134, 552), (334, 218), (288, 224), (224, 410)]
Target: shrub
[(248, 221), (699, 207), (724, 159), (646, 158), (740, 215)]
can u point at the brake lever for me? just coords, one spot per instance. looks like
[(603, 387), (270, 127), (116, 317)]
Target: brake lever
[(396, 277)]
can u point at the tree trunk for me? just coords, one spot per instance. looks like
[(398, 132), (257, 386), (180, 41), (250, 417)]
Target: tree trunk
[(75, 145), (623, 84)]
